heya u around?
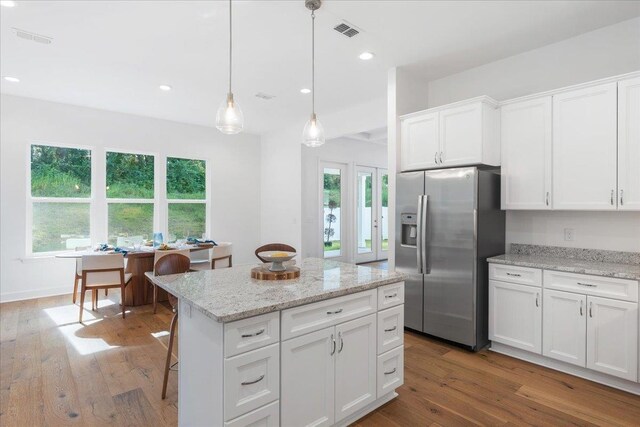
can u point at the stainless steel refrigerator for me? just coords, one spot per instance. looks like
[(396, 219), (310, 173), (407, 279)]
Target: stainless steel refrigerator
[(448, 222)]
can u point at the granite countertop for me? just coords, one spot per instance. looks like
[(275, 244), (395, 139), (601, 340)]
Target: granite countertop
[(573, 265), (230, 294)]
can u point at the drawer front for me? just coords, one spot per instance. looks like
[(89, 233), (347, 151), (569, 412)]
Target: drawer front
[(390, 328), (608, 287), (515, 274), (390, 295), (390, 371), (313, 317), (267, 416), (251, 380), (252, 333)]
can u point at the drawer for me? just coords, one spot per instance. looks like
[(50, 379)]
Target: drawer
[(313, 317), (608, 287), (514, 274), (267, 416), (390, 371), (390, 295), (251, 380), (390, 328), (252, 333)]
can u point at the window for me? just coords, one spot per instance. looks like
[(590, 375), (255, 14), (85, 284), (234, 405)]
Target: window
[(130, 197), (60, 198), (186, 198), (332, 201)]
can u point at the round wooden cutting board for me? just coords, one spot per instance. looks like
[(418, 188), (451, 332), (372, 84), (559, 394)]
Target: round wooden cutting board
[(262, 273)]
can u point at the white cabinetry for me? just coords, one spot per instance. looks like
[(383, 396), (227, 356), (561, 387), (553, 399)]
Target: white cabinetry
[(515, 316), (564, 326), (526, 154), (464, 133), (584, 148), (629, 144)]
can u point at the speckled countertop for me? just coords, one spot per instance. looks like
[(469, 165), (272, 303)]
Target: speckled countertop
[(583, 261), (230, 294)]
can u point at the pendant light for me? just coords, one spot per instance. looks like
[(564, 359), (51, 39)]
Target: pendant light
[(229, 119), (313, 133)]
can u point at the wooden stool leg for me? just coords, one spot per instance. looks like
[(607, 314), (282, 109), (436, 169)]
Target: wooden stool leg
[(75, 288), (122, 286), (167, 365), (82, 292), (155, 299)]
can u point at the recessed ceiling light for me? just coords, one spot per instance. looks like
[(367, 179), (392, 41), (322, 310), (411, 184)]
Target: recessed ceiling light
[(12, 79), (165, 88), (7, 3), (305, 90), (365, 56)]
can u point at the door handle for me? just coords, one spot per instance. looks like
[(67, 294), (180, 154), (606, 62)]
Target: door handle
[(547, 199), (435, 157), (581, 307), (621, 198), (255, 334), (441, 157), (419, 235), (333, 347), (590, 309), (393, 371), (341, 342), (425, 215), (391, 329), (537, 299), (612, 193), (254, 381)]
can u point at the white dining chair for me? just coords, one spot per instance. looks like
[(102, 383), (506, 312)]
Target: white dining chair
[(102, 272), (220, 256), (157, 257), (78, 273)]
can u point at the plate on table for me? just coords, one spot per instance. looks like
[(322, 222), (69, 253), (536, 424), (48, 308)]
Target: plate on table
[(277, 258)]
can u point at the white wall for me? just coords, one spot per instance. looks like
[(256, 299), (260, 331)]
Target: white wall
[(339, 150), (234, 161), (281, 172), (601, 53)]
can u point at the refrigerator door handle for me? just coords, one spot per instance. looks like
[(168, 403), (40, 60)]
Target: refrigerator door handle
[(419, 234), (424, 267)]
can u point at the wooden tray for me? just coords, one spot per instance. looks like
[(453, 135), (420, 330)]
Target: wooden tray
[(262, 273)]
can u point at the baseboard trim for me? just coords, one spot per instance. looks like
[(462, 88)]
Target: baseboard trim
[(567, 368), (367, 409), (35, 293)]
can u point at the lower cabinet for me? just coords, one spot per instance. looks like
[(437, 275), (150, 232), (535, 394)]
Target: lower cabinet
[(564, 327), (267, 416), (329, 374), (515, 315)]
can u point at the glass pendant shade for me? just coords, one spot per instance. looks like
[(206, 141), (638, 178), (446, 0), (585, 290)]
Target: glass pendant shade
[(313, 133), (229, 119)]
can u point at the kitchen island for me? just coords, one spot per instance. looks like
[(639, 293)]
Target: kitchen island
[(323, 349)]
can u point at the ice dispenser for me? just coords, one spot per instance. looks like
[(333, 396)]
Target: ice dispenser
[(409, 229)]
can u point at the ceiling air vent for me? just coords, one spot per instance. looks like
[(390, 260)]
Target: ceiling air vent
[(265, 96), (346, 29), (27, 35)]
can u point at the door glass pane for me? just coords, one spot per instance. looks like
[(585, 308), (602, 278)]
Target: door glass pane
[(332, 199), (186, 179), (186, 220), (130, 223), (384, 218), (60, 172), (129, 176), (364, 212), (60, 226)]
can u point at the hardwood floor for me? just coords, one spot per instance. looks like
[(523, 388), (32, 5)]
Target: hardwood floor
[(54, 371)]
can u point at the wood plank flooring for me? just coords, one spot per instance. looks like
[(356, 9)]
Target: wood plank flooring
[(54, 372)]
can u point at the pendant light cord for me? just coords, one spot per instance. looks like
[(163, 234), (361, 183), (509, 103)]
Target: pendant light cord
[(313, 62), (230, 44)]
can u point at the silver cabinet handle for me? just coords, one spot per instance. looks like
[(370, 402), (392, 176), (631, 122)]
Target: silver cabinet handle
[(391, 329), (514, 274), (537, 299), (581, 307), (589, 285), (333, 347), (612, 193), (621, 198), (341, 342), (254, 381), (590, 309), (441, 157), (255, 334), (391, 296), (335, 312), (393, 371), (435, 157), (547, 199)]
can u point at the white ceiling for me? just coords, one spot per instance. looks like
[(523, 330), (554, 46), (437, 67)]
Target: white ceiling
[(114, 54)]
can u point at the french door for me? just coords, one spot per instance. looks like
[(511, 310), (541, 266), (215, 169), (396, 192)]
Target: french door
[(371, 214), (334, 211)]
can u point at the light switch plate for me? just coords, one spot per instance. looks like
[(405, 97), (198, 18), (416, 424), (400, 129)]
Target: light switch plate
[(568, 234)]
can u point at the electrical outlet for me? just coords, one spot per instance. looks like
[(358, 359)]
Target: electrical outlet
[(568, 234)]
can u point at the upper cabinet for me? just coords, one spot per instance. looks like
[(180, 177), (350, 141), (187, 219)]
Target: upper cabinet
[(573, 149), (629, 144), (526, 154), (464, 133)]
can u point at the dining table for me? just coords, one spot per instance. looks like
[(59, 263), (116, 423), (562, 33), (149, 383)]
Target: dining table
[(139, 261)]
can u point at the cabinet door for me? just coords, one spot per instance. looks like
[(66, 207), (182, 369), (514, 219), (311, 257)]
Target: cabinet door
[(355, 365), (307, 389), (515, 315), (564, 327), (612, 337), (584, 148), (419, 144), (629, 144), (526, 154), (461, 135)]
